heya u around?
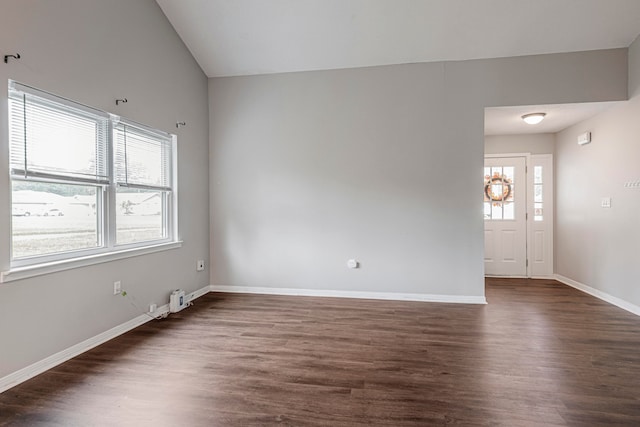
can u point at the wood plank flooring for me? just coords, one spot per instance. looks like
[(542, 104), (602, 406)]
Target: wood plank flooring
[(540, 353)]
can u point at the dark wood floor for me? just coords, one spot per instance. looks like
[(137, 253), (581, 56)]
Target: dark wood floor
[(540, 353)]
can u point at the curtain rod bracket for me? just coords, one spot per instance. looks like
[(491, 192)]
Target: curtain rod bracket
[(6, 57), (180, 124), (123, 100)]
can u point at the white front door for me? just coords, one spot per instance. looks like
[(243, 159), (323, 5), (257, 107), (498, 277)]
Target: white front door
[(505, 213)]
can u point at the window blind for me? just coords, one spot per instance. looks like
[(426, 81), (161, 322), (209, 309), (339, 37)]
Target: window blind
[(56, 139), (142, 157)]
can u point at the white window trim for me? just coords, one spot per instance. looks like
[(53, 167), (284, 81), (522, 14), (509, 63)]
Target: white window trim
[(35, 270)]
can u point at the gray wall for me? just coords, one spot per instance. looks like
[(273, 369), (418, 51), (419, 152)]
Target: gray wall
[(540, 143), (595, 246), (380, 164), (95, 51)]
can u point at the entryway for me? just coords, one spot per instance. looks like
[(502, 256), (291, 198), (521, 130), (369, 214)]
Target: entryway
[(518, 215)]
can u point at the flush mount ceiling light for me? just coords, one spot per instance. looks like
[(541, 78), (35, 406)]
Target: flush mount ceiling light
[(533, 118)]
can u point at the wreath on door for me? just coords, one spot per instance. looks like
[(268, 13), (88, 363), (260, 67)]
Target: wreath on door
[(497, 188)]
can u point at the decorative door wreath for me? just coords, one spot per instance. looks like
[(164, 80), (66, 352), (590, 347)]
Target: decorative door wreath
[(497, 180)]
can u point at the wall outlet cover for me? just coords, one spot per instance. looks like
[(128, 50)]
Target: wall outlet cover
[(352, 263)]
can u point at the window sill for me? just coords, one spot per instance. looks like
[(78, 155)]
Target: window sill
[(26, 272)]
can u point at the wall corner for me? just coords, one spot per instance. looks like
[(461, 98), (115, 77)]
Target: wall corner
[(634, 68)]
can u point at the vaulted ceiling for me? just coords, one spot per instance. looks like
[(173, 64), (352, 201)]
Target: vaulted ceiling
[(244, 37)]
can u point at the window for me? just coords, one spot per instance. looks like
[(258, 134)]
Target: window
[(143, 178), (84, 181), (498, 193), (537, 194)]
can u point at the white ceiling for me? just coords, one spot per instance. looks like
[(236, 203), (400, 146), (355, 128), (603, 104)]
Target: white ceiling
[(244, 37), (508, 120)]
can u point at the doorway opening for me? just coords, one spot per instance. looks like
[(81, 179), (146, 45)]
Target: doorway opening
[(518, 215)]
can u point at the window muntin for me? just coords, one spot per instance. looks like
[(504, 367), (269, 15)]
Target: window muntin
[(537, 194), (499, 193), (84, 181)]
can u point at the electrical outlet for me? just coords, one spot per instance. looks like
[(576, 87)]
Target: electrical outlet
[(153, 308), (200, 265), (117, 287), (605, 202), (352, 263)]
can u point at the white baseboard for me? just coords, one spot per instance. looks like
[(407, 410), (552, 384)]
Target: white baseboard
[(197, 294), (462, 299), (54, 360), (631, 308)]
